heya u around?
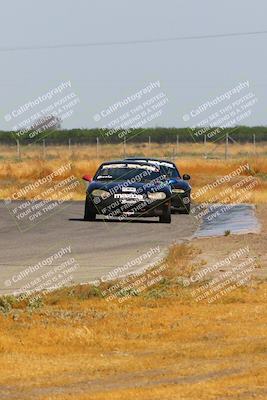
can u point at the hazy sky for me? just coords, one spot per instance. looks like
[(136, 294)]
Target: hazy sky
[(190, 72)]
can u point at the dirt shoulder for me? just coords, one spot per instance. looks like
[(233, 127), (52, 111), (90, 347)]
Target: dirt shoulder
[(215, 249)]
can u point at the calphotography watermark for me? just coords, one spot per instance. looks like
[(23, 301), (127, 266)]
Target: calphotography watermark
[(218, 197), (135, 276), (216, 280), (42, 114), (227, 110), (45, 196), (232, 276), (134, 111), (207, 271), (48, 274)]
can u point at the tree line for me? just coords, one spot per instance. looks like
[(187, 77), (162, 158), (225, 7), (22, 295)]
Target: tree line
[(241, 134)]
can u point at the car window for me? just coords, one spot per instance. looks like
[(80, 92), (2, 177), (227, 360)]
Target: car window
[(167, 168), (123, 172)]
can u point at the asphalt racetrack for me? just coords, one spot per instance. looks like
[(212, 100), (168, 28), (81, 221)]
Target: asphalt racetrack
[(97, 247)]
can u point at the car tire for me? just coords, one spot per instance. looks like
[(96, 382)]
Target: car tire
[(186, 209), (89, 212), (166, 218)]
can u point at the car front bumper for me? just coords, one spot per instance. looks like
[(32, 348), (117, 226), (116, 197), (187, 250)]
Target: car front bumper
[(111, 207)]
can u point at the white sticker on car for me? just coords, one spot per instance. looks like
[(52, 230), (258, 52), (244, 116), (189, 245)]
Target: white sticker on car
[(128, 189)]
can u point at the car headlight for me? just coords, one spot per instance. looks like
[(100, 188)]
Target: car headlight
[(157, 196), (100, 193), (178, 191)]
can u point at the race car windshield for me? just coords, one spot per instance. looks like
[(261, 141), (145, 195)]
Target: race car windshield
[(166, 168), (118, 172)]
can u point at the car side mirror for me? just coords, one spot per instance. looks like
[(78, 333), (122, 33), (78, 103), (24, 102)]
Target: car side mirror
[(186, 177), (87, 178)]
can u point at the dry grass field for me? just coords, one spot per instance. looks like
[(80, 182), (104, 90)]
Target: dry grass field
[(16, 173), (159, 345)]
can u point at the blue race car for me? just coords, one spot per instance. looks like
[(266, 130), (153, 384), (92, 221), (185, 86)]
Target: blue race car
[(181, 190), (128, 189)]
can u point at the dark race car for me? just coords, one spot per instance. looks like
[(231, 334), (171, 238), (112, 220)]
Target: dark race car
[(181, 190), (128, 189)]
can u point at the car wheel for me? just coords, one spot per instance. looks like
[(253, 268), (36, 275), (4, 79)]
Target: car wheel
[(89, 212), (166, 218)]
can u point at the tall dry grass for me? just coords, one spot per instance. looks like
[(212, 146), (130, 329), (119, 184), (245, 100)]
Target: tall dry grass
[(16, 173)]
